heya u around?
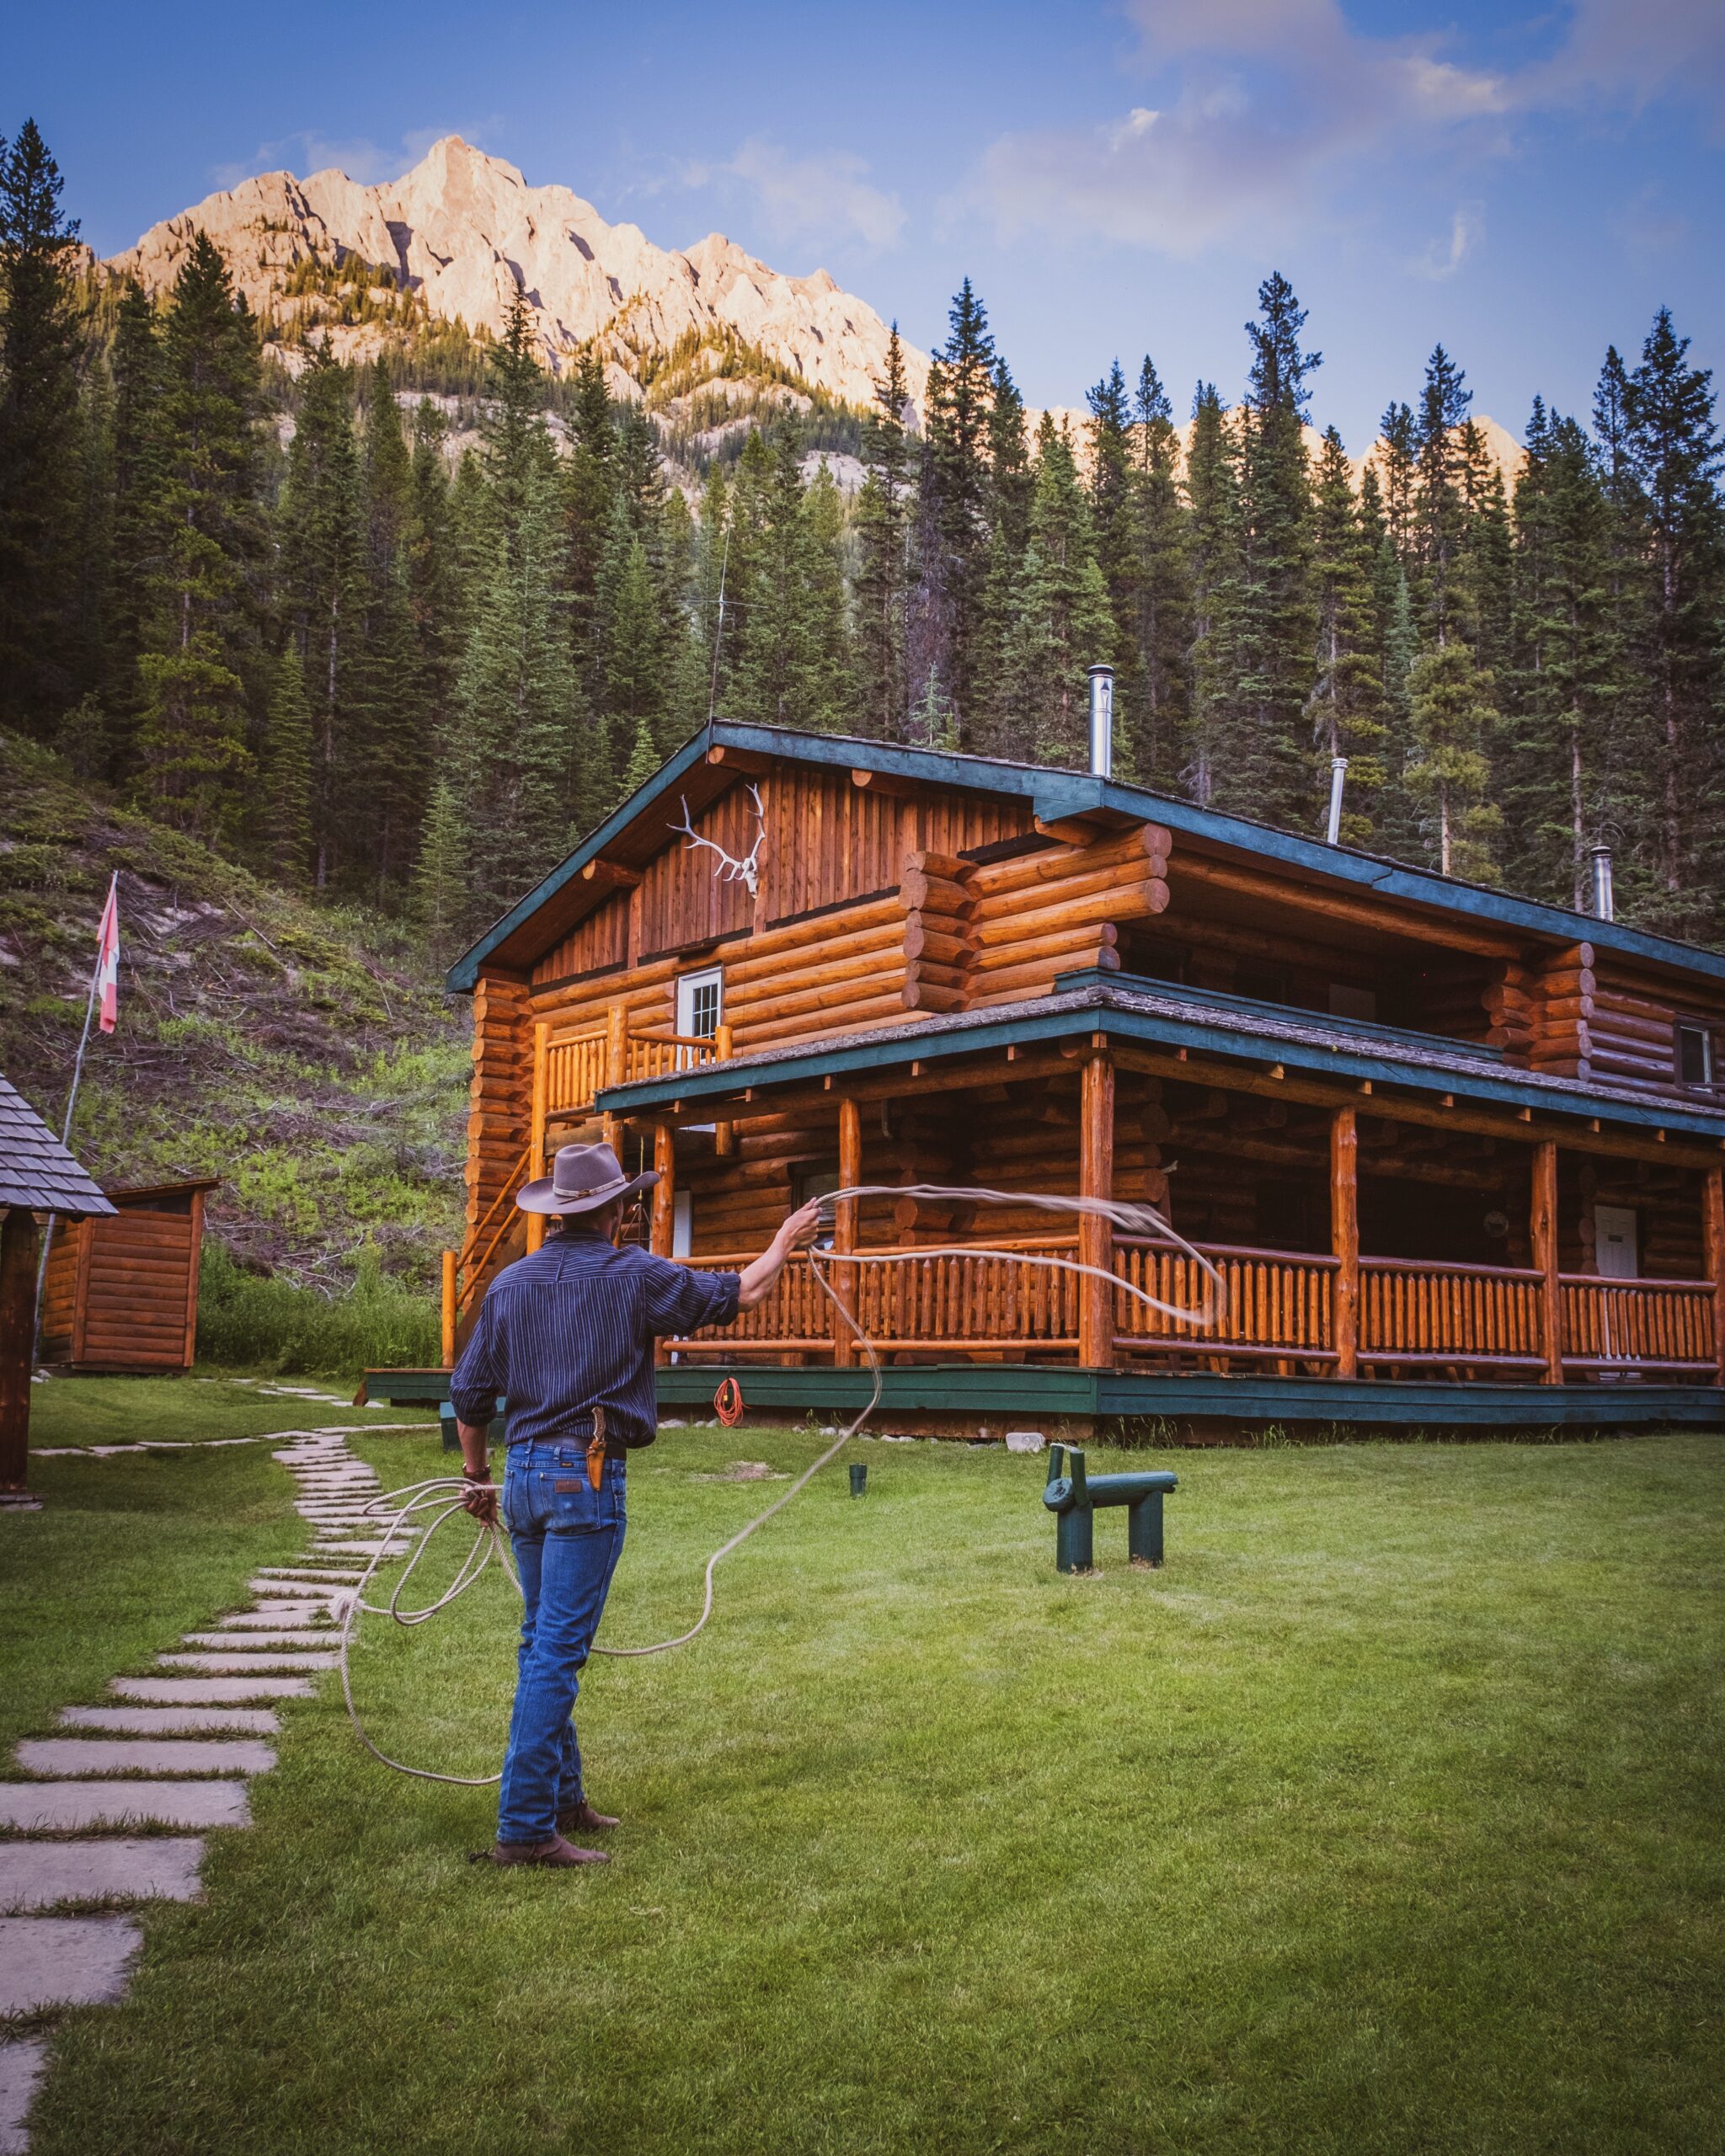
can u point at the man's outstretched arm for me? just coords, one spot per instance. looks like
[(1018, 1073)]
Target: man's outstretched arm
[(755, 1282)]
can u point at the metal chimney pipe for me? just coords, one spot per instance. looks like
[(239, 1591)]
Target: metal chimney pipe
[(1101, 722), (1338, 774), (1604, 906)]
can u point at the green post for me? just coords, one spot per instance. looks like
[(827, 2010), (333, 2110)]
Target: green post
[(1144, 1529), (1068, 1497)]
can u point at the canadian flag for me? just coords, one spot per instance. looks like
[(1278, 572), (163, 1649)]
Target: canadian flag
[(108, 959)]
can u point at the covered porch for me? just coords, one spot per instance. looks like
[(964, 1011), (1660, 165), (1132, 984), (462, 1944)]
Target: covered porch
[(1371, 1232)]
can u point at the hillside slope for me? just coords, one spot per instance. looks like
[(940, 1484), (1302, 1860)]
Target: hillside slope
[(309, 1058)]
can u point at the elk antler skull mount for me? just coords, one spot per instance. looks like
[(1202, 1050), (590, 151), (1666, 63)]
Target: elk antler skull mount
[(730, 870)]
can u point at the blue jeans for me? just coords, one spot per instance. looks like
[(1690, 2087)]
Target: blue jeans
[(567, 1538)]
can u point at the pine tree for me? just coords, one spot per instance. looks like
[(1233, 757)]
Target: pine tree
[(1000, 722), (135, 363), (1159, 616), (628, 655), (829, 688), (1064, 624), (440, 900), (643, 760), (1213, 497), (516, 760), (589, 489), (201, 632), (1265, 770), (1347, 699), (954, 490), (1395, 460), (1675, 455), (287, 776), (1563, 689), (40, 351), (392, 721), (1452, 719), (1113, 508), (1440, 504), (323, 580), (883, 519)]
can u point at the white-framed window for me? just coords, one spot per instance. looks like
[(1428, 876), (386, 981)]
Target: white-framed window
[(700, 1003), (1695, 1055), (682, 1223)]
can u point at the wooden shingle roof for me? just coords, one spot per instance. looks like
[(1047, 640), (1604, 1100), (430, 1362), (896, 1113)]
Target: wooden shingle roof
[(35, 1169)]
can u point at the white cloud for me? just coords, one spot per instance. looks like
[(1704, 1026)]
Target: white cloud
[(1631, 52), (801, 198), (1270, 107), (1444, 257), (1275, 100)]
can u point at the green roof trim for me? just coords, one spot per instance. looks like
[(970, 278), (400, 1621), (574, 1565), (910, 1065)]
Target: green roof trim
[(1055, 793), (1090, 1009)]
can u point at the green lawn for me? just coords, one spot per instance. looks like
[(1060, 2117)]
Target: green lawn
[(1386, 1818), (203, 1404)]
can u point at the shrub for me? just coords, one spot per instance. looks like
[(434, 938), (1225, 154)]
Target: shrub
[(249, 1319)]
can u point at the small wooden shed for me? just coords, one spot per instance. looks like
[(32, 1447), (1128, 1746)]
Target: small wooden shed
[(36, 1174), (121, 1293)]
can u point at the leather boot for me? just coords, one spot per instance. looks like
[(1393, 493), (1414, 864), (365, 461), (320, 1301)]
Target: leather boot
[(555, 1852), (582, 1819)]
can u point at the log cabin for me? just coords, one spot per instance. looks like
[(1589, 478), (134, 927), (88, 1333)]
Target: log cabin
[(1457, 1155)]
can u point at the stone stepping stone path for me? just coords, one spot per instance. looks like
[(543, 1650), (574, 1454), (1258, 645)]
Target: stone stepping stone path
[(173, 1750)]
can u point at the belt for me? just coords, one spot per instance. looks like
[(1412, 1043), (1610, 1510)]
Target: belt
[(599, 1448)]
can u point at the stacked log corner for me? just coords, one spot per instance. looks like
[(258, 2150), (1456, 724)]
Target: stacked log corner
[(1561, 1004), (1039, 916), (499, 1113)]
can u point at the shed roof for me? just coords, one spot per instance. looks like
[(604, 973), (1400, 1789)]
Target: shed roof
[(554, 903), (35, 1169)]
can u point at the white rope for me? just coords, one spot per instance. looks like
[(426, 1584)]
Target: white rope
[(490, 1540)]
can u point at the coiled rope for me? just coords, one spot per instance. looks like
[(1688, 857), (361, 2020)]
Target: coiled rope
[(442, 1496)]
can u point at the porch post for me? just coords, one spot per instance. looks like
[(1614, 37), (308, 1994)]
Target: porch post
[(665, 1159), (1096, 1235), (1344, 1239), (1713, 1223), (17, 1332), (724, 1134), (617, 1068), (447, 1310), (536, 1148), (844, 1227), (1544, 1238)]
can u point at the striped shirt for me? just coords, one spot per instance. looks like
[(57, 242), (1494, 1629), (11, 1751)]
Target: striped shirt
[(571, 1327)]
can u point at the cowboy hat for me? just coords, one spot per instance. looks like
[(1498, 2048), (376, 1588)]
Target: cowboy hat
[(582, 1178)]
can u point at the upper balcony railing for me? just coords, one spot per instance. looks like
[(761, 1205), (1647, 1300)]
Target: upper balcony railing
[(574, 1064)]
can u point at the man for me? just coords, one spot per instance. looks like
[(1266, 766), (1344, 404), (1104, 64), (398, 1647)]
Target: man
[(567, 1335)]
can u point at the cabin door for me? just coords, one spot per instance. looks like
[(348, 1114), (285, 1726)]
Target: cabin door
[(1614, 1251)]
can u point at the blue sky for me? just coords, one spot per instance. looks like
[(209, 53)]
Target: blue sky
[(1525, 185)]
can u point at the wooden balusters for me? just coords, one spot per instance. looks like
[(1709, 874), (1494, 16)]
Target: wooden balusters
[(844, 1230), (1344, 1239), (1543, 1236), (1713, 1228), (1096, 1234)]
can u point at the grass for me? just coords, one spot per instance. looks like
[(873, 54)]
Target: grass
[(205, 1404), (1386, 1818), (125, 1554)]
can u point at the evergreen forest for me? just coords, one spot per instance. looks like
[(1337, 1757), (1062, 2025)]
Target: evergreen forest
[(284, 614)]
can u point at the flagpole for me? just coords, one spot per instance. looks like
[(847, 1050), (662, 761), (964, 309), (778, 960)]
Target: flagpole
[(77, 1072)]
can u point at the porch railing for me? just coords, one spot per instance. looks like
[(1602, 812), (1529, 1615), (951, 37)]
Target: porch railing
[(1278, 1303), (1620, 1324), (1415, 1311), (1413, 1314)]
